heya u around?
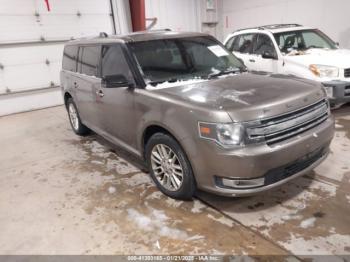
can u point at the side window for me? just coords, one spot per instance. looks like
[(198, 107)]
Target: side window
[(244, 44), (114, 62), (263, 43), (90, 60), (69, 60), (229, 44)]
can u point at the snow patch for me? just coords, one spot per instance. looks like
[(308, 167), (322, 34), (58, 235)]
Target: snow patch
[(155, 195), (310, 222), (112, 190), (235, 95), (138, 179), (156, 222), (195, 237), (173, 84), (322, 245), (173, 203), (222, 220), (197, 206)]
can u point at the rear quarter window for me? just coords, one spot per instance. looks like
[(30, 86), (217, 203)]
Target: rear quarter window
[(69, 60)]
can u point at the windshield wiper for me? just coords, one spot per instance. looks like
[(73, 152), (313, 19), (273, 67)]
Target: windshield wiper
[(224, 72)]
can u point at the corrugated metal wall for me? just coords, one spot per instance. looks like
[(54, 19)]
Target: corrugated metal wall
[(31, 45), (179, 15)]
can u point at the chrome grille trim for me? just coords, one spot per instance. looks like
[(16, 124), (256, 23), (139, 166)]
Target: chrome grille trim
[(280, 128)]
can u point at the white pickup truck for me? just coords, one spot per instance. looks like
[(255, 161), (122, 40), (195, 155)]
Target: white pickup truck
[(295, 50)]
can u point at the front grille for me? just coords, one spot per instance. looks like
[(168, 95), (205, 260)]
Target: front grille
[(280, 128), (347, 91), (347, 72)]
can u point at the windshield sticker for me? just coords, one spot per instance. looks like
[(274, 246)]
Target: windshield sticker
[(218, 50)]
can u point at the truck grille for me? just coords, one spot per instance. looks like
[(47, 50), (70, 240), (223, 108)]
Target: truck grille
[(347, 72), (280, 128)]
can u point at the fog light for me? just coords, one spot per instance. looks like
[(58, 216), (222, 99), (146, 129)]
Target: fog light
[(243, 183)]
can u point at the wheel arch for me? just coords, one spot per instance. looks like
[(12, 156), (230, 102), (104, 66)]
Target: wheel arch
[(66, 96)]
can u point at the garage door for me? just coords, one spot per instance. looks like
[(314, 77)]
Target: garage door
[(31, 42)]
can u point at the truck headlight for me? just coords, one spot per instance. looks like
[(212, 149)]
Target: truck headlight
[(324, 71), (227, 135)]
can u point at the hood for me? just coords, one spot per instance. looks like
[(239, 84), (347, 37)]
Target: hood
[(248, 96), (330, 57)]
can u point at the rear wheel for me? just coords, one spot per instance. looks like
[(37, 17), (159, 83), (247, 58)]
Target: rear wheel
[(78, 127), (169, 167)]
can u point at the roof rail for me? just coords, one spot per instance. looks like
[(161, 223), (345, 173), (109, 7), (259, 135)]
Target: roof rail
[(103, 35), (272, 26)]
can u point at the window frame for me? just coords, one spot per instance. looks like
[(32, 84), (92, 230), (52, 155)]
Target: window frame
[(272, 39), (79, 60), (75, 60), (251, 48)]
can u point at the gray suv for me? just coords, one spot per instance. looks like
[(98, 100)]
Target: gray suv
[(186, 105)]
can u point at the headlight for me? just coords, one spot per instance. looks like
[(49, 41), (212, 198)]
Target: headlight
[(324, 71), (226, 135)]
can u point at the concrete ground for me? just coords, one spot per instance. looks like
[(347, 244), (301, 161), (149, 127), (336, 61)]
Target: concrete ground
[(63, 194)]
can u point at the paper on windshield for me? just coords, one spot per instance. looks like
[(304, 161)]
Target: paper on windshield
[(218, 50)]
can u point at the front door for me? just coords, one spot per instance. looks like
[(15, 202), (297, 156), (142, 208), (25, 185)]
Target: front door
[(263, 44), (115, 105), (242, 47)]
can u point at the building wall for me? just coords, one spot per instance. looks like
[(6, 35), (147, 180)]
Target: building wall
[(329, 16), (32, 40), (178, 15)]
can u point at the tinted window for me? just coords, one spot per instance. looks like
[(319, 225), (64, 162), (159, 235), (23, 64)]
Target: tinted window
[(264, 44), (114, 62), (69, 58), (90, 60), (244, 44)]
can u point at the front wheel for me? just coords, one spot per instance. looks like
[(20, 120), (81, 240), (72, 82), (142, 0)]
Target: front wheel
[(169, 167), (78, 127)]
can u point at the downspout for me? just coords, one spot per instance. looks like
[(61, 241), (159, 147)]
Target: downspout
[(113, 18), (138, 15)]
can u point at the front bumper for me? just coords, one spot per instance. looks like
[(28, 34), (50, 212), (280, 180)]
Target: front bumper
[(341, 92), (276, 164)]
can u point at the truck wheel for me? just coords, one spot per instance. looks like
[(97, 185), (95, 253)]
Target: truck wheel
[(74, 119), (169, 167)]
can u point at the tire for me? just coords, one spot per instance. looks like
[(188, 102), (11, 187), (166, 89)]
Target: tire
[(165, 173), (78, 127)]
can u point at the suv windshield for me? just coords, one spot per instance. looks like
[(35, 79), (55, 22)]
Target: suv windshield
[(183, 59), (302, 40)]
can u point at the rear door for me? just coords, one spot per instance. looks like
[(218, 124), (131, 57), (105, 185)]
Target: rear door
[(115, 105), (86, 84)]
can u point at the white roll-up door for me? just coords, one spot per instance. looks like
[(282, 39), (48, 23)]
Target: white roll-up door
[(31, 45)]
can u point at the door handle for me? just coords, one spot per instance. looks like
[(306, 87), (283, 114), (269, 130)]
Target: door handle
[(100, 93), (75, 85), (252, 60)]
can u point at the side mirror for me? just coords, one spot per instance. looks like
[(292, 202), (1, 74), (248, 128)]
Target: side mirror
[(268, 55), (116, 81)]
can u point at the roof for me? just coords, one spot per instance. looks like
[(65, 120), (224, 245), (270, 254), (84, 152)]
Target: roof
[(136, 37), (275, 28)]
